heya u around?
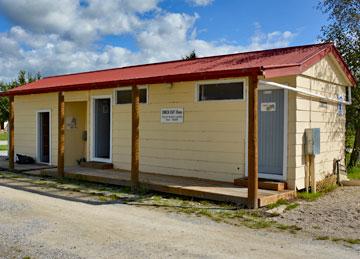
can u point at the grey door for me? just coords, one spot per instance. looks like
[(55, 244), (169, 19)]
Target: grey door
[(102, 109), (271, 132)]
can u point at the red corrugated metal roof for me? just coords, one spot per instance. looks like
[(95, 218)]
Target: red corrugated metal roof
[(270, 63)]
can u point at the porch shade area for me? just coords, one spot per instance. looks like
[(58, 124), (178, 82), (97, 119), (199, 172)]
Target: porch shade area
[(252, 190), (184, 186)]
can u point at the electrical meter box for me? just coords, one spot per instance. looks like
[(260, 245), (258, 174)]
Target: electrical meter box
[(312, 141)]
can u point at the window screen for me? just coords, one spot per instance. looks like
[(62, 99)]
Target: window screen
[(221, 91), (125, 96)]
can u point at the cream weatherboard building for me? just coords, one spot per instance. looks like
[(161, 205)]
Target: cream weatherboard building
[(194, 114)]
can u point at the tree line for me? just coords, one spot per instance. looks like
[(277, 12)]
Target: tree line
[(22, 78), (343, 30)]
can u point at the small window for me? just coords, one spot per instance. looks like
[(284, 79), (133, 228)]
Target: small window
[(221, 91), (125, 96), (348, 94), (323, 104)]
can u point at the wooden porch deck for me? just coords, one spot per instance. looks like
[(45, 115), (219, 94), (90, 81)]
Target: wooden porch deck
[(186, 186), (4, 166)]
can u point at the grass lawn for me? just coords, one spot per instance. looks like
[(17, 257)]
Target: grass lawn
[(4, 136), (354, 173), (310, 196), (3, 147)]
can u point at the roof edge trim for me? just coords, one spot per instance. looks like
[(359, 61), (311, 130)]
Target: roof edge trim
[(139, 81)]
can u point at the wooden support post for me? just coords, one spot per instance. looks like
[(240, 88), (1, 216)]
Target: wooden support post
[(135, 139), (312, 173), (61, 134), (253, 143), (11, 134), (307, 173)]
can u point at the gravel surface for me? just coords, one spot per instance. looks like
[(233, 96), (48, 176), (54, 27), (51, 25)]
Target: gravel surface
[(335, 215), (40, 226), (32, 186)]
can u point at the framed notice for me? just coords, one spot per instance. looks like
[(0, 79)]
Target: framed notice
[(172, 115), (268, 107)]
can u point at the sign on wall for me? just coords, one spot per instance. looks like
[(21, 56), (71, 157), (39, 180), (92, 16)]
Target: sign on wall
[(70, 123), (172, 115), (340, 110), (268, 107)]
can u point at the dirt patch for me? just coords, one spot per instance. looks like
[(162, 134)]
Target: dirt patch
[(334, 216)]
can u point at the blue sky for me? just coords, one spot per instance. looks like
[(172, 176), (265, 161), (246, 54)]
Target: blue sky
[(55, 37), (234, 20)]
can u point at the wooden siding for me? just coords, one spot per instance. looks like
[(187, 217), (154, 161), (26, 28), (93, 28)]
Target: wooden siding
[(25, 120), (209, 144), (324, 78)]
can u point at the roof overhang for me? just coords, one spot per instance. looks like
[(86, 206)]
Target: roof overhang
[(298, 68), (138, 81), (204, 72)]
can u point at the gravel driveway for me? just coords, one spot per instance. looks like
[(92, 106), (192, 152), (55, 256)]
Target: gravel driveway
[(335, 215), (44, 227)]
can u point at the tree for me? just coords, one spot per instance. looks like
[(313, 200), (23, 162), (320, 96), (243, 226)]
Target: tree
[(344, 30), (23, 78), (192, 55)]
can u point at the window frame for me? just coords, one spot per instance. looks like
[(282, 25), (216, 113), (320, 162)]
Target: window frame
[(127, 88), (224, 81), (348, 97), (37, 128)]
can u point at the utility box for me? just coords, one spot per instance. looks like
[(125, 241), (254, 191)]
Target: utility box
[(312, 141)]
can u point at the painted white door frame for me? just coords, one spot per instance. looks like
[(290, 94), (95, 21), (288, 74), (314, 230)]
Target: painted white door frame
[(282, 177), (38, 137), (92, 128)]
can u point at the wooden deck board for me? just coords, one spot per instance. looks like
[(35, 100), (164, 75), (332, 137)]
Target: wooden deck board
[(199, 188), (4, 165), (186, 186), (263, 184)]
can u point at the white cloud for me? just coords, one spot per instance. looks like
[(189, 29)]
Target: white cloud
[(72, 20), (41, 16), (58, 39), (167, 36), (200, 2), (275, 39), (9, 48)]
